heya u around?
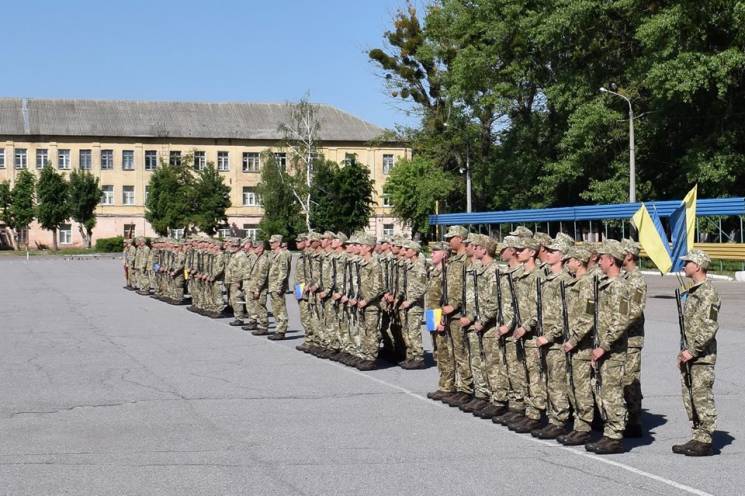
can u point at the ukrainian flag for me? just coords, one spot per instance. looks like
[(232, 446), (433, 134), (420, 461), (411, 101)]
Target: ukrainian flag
[(683, 228), (653, 239), (432, 318), (299, 290)]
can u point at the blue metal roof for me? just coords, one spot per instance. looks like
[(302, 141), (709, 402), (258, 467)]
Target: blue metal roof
[(704, 208)]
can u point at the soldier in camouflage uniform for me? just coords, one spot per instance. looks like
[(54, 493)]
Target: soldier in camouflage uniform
[(130, 253), (579, 294), (141, 259), (550, 342), (700, 315), (301, 279), (412, 306), (370, 290), (435, 298), (456, 269), (348, 323), (337, 261), (632, 373), (609, 355), (178, 266), (278, 277), (234, 271), (257, 291)]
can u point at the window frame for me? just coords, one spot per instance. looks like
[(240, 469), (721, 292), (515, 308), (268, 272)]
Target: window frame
[(127, 189), (63, 164), (104, 194), (151, 156), (81, 153), (23, 163), (107, 163)]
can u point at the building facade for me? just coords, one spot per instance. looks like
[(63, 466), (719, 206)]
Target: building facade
[(123, 142)]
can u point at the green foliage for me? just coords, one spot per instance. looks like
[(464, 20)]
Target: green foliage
[(414, 186), (85, 194), (110, 245), (53, 201), (282, 211), (22, 198), (212, 199), (170, 200), (513, 86), (5, 203), (342, 197)]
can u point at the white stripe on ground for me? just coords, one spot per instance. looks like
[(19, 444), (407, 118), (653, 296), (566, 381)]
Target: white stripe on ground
[(628, 468)]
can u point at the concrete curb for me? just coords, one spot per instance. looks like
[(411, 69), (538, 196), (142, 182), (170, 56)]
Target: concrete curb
[(672, 274)]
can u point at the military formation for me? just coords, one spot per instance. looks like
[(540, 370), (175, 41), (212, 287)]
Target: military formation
[(538, 334)]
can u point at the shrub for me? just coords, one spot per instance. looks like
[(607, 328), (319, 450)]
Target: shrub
[(110, 245)]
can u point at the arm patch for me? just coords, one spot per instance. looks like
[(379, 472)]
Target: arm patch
[(623, 308), (713, 313), (638, 295), (590, 307)]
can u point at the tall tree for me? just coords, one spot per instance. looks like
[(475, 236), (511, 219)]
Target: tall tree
[(281, 215), (211, 200), (414, 186), (85, 195), (53, 197), (170, 201), (342, 196)]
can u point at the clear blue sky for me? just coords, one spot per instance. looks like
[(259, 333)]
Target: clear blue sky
[(251, 50)]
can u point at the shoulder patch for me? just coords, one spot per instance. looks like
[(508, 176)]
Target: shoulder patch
[(590, 307), (713, 312), (623, 307), (638, 295)]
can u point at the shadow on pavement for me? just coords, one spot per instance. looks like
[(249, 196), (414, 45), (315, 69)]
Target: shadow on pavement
[(720, 439)]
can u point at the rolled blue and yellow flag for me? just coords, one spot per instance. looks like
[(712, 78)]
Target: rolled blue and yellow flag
[(299, 289), (432, 318)]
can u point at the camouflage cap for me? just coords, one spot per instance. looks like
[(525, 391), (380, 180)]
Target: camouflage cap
[(275, 238), (341, 237), (470, 238), (631, 246), (247, 240), (328, 235), (397, 240), (232, 241), (384, 239), (543, 238), (412, 245), (699, 257), (438, 246), (522, 232), (529, 243), (510, 242), (367, 239), (301, 237), (579, 252), (613, 248), (564, 238), (314, 236), (456, 231)]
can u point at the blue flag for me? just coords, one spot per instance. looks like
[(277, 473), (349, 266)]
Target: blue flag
[(683, 225)]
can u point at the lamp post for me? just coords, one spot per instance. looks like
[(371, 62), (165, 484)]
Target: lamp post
[(632, 157)]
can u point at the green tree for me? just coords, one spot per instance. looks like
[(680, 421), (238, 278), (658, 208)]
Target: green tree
[(17, 204), (414, 187), (170, 200), (5, 203), (342, 197), (282, 211), (85, 194), (53, 197), (211, 200)]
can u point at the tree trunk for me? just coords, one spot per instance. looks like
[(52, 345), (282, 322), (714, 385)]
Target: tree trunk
[(54, 239), (89, 241)]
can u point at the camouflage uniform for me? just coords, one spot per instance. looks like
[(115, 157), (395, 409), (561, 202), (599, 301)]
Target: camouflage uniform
[(413, 291), (130, 255), (370, 280), (471, 337), (701, 315), (516, 368), (443, 351), (257, 286), (234, 272), (494, 374), (456, 270), (143, 280), (278, 275), (177, 283), (301, 278), (632, 377), (217, 275), (525, 287)]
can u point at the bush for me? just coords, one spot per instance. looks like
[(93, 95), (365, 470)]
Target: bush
[(110, 245)]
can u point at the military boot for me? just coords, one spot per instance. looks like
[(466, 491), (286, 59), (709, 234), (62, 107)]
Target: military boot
[(697, 448), (680, 449), (551, 431), (277, 336), (260, 332), (489, 411), (605, 446), (507, 417), (574, 438), (437, 395), (236, 323), (527, 425), (474, 404)]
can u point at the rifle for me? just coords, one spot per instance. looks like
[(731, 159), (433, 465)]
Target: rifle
[(480, 334), (443, 302), (518, 323), (333, 282), (565, 326), (539, 325), (500, 322), (357, 290), (687, 377), (595, 343)]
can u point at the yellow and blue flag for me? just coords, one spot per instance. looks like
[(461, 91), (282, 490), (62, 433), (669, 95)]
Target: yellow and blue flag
[(653, 239), (299, 289), (683, 228), (432, 318)]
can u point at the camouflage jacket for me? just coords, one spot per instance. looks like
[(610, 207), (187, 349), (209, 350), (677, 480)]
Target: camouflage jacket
[(433, 293), (701, 315), (613, 316), (258, 277), (279, 271), (415, 282), (219, 262), (236, 268), (179, 262), (143, 253), (638, 303), (553, 323), (525, 290), (456, 269), (579, 296), (131, 254), (336, 270), (370, 280)]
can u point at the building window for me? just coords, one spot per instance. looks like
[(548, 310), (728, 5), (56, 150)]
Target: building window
[(129, 231), (350, 158), (250, 198), (174, 158), (176, 233), (128, 160), (21, 158), (250, 162), (200, 161), (151, 160), (64, 235), (387, 164), (223, 162), (107, 159), (107, 194), (63, 159), (387, 229), (42, 158), (224, 232), (281, 160), (387, 201), (128, 195), (85, 160), (251, 231), (2, 158)]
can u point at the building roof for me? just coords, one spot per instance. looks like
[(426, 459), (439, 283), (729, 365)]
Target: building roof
[(117, 118)]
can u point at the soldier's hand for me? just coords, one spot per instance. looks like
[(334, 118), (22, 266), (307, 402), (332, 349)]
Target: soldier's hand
[(541, 341), (440, 328), (568, 347), (447, 309), (503, 329), (362, 304), (353, 302), (344, 299), (519, 332), (685, 356), (478, 326), (597, 354), (322, 294), (405, 304), (464, 321), (256, 295)]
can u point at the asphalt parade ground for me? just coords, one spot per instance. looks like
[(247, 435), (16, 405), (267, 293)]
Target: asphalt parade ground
[(103, 391)]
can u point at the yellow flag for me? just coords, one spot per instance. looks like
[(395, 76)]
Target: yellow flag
[(690, 205), (651, 240)]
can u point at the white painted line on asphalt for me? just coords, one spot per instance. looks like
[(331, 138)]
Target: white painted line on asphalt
[(628, 468)]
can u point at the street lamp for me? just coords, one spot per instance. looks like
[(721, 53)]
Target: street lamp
[(632, 157)]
